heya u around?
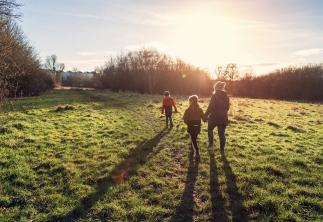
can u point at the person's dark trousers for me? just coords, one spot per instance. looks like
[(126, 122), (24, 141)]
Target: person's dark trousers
[(194, 130), (168, 114), (221, 134), (194, 142), (170, 120)]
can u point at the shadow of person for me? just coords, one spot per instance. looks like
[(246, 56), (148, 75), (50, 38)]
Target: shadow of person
[(239, 212), (218, 202), (184, 212), (123, 170)]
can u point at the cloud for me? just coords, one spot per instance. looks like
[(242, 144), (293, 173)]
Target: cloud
[(86, 53), (262, 68), (83, 65), (265, 64), (129, 16), (81, 15), (149, 18), (87, 61), (159, 46), (309, 52), (102, 53), (155, 45)]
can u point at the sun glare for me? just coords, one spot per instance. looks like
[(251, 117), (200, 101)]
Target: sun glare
[(207, 38)]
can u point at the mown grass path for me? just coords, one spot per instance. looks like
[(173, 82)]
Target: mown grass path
[(107, 157)]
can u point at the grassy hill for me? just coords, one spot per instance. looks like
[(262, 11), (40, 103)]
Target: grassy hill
[(92, 156)]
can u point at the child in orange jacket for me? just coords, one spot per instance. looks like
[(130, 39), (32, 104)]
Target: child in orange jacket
[(167, 107)]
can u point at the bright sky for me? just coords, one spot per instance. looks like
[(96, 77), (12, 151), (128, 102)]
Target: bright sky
[(261, 35)]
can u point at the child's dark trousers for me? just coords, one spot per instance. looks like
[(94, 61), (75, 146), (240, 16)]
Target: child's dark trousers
[(194, 128), (168, 114)]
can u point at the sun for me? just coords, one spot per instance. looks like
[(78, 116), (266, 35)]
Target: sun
[(207, 38)]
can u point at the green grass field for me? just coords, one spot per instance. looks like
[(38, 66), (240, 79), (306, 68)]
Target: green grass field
[(109, 158)]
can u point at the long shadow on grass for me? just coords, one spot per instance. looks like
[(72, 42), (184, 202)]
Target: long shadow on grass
[(239, 212), (218, 202), (184, 211), (123, 170)]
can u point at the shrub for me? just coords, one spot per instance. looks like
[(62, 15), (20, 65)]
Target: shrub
[(293, 83)]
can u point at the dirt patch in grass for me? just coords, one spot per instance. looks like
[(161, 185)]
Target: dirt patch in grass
[(311, 204), (279, 134), (295, 129), (64, 108), (300, 163), (4, 130), (274, 171), (276, 125), (19, 126), (318, 160), (242, 118)]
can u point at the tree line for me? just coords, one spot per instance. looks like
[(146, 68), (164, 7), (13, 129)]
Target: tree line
[(149, 71), (292, 83), (21, 72)]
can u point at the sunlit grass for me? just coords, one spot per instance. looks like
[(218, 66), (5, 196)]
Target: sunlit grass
[(64, 164)]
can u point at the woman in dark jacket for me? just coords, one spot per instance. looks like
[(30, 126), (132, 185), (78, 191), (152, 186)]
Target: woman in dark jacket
[(217, 113)]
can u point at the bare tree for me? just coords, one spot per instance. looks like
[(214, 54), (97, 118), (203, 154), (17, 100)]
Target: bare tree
[(232, 71), (51, 63), (60, 67), (20, 69), (7, 9), (54, 67), (220, 73)]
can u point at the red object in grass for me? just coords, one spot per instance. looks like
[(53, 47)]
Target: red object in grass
[(119, 179)]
